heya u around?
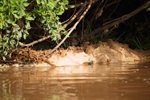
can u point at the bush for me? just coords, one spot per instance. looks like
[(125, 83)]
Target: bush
[(15, 19)]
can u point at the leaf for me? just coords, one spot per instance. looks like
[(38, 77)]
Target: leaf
[(52, 4), (4, 58), (25, 34), (16, 16), (25, 4), (148, 9), (38, 1), (20, 43), (14, 24), (27, 26), (9, 21), (54, 39), (19, 35), (71, 6), (22, 13), (29, 18), (12, 42)]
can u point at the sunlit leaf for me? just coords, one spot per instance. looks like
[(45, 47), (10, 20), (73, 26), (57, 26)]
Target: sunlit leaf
[(38, 1), (29, 18), (25, 4)]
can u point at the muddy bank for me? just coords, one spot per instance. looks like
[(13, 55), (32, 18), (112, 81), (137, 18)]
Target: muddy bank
[(87, 54), (103, 52), (111, 51)]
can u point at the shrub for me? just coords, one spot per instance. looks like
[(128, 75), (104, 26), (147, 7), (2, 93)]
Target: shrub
[(15, 19)]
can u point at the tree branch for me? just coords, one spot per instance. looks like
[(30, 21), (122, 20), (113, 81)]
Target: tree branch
[(37, 41), (117, 21), (84, 13)]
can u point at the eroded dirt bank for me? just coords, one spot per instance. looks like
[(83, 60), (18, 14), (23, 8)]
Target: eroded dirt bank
[(103, 52)]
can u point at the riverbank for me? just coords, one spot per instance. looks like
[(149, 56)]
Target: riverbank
[(103, 52), (87, 54)]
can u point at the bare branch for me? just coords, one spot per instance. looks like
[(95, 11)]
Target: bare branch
[(83, 3), (75, 16), (84, 13), (47, 37), (37, 41), (117, 21)]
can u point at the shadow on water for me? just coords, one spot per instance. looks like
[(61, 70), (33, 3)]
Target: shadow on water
[(120, 81)]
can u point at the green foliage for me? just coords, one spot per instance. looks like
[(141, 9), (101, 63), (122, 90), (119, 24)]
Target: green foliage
[(15, 21), (12, 27), (48, 12)]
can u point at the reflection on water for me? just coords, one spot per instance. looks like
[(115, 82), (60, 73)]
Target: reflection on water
[(98, 82)]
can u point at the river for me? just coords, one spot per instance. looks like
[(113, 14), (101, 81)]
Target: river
[(118, 81)]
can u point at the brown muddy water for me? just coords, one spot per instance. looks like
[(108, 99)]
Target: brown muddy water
[(120, 81)]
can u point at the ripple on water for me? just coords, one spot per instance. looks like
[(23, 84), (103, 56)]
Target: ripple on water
[(98, 82)]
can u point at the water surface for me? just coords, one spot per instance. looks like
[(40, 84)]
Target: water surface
[(120, 81)]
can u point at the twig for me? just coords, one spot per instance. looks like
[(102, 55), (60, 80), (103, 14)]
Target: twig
[(73, 18), (47, 37), (37, 41), (127, 16), (82, 3), (117, 21), (89, 6), (113, 2), (98, 12)]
